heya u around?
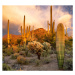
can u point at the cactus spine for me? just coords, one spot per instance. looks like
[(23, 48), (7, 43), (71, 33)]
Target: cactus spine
[(60, 45)]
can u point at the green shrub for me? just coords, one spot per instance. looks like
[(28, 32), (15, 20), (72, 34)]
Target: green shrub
[(37, 62), (51, 40), (4, 46), (26, 51), (51, 51), (44, 54), (47, 46), (6, 67), (32, 60), (9, 51), (15, 55), (68, 64), (5, 43), (46, 60), (28, 54), (68, 43)]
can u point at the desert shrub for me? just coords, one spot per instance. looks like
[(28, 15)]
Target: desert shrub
[(32, 60), (46, 60), (9, 51), (4, 54), (35, 47), (15, 55), (68, 43), (51, 40), (5, 43), (46, 46), (44, 54), (17, 50), (22, 53), (69, 52), (18, 41), (27, 53), (68, 65), (51, 51), (4, 50), (37, 62), (22, 60), (6, 67), (4, 46)]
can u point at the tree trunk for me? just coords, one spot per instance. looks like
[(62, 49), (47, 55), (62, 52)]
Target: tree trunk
[(39, 57)]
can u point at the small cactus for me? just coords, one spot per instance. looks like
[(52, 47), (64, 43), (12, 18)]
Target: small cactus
[(60, 45)]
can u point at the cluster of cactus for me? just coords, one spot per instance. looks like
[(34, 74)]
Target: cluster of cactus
[(60, 45), (51, 24), (26, 35)]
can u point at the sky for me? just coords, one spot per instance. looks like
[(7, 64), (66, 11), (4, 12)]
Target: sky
[(36, 16)]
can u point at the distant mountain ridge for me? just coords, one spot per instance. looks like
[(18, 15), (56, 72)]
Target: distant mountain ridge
[(40, 33)]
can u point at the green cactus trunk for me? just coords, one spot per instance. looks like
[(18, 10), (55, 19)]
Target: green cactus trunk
[(60, 45)]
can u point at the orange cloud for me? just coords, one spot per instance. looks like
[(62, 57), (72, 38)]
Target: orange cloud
[(35, 16)]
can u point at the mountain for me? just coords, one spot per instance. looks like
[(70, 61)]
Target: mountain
[(38, 35)]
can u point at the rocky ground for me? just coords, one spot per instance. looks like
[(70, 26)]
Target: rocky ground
[(52, 65)]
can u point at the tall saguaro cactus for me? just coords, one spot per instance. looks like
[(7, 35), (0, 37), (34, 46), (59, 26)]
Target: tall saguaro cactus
[(60, 45), (48, 26), (21, 32), (51, 20), (24, 33), (8, 34), (53, 26), (33, 34)]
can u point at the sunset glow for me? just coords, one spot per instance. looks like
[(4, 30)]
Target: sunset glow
[(37, 16)]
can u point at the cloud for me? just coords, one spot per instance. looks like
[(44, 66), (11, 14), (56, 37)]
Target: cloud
[(34, 15)]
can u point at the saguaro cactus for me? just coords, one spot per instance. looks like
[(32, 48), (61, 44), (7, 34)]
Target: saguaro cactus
[(8, 34), (60, 45), (24, 33), (33, 34), (48, 26), (21, 32), (51, 20), (53, 26)]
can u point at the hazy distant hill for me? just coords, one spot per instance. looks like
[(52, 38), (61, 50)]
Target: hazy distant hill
[(38, 34)]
